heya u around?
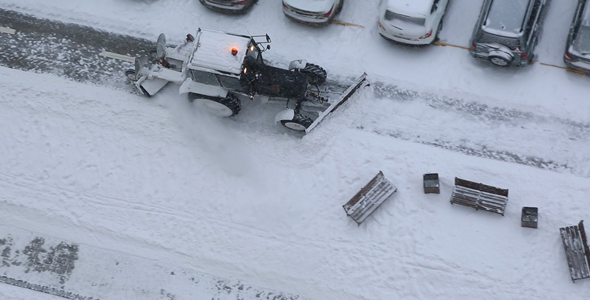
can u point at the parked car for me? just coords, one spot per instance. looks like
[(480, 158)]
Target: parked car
[(507, 31), (313, 12), (415, 22), (577, 49), (229, 6)]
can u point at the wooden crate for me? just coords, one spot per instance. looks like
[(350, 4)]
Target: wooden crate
[(529, 217), (431, 183)]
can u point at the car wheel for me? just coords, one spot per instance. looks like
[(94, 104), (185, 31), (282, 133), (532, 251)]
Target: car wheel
[(500, 58), (499, 61)]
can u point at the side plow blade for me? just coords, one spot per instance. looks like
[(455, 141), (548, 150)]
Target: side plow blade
[(359, 83)]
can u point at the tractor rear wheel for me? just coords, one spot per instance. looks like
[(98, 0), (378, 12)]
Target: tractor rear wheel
[(223, 107), (317, 75)]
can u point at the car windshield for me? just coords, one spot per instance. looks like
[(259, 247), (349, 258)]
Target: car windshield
[(582, 42), (399, 19)]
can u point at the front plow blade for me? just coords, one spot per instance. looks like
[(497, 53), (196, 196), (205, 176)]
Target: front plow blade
[(359, 83)]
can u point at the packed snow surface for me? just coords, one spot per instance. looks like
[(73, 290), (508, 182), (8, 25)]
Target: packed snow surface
[(240, 198)]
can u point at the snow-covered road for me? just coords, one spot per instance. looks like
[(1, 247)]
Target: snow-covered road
[(242, 199)]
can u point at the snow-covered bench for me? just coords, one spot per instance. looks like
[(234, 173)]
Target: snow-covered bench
[(369, 198), (575, 244), (479, 196)]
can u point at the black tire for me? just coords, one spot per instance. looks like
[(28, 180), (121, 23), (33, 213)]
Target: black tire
[(316, 74), (440, 26), (499, 61), (130, 74), (299, 122), (226, 107), (339, 8)]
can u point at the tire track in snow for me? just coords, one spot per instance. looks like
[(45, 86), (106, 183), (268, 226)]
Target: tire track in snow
[(516, 133)]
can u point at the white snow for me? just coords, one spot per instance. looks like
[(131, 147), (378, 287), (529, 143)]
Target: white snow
[(241, 198)]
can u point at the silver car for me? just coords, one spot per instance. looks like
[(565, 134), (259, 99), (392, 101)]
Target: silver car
[(577, 50), (229, 6), (312, 12), (507, 31)]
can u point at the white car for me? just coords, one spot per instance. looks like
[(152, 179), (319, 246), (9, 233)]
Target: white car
[(314, 12), (229, 6), (415, 22)]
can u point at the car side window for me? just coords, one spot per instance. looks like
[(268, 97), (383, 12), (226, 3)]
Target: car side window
[(434, 6), (204, 77)]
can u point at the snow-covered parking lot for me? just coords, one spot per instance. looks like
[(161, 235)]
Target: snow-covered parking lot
[(170, 187)]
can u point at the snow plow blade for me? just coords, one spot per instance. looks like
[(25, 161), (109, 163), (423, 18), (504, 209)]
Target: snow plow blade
[(359, 83)]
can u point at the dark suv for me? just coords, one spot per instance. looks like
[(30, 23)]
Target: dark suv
[(577, 49), (506, 32)]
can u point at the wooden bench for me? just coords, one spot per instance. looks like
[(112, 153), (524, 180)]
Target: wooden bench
[(369, 198), (576, 250), (479, 196)]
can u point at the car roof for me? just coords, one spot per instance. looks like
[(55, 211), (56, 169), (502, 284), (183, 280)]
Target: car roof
[(506, 16), (411, 8), (214, 51)]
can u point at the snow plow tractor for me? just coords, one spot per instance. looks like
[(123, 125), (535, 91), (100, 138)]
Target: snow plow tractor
[(215, 68)]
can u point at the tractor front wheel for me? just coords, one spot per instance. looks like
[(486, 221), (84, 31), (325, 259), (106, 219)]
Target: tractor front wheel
[(298, 123)]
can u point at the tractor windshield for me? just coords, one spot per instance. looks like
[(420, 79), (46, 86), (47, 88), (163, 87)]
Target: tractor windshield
[(253, 51)]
